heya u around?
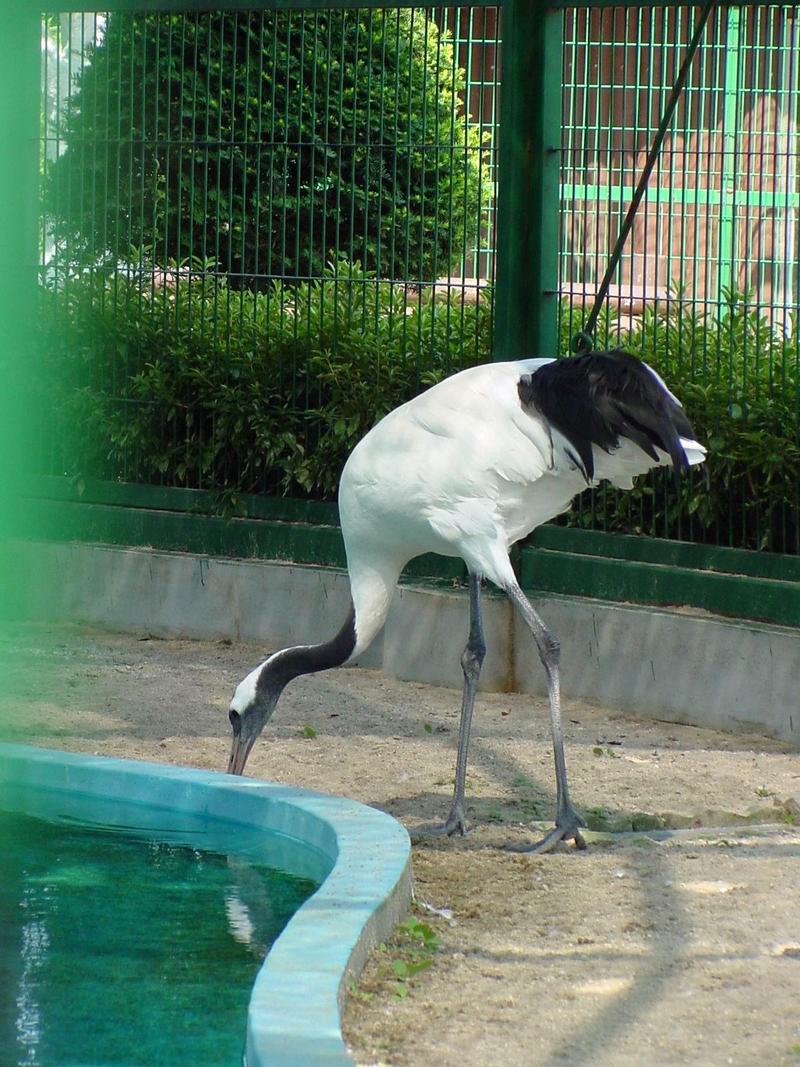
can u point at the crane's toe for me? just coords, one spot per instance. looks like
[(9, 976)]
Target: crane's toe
[(569, 824), (455, 823)]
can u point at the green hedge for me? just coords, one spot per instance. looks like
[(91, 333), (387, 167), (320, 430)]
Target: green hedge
[(196, 385), (740, 383)]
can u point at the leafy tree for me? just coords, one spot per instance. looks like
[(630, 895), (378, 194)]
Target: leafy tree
[(270, 143)]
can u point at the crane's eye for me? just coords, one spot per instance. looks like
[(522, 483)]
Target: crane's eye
[(235, 720)]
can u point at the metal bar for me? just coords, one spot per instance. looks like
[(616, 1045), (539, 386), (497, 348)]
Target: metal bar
[(612, 117), (457, 37), (537, 8), (707, 124), (527, 224), (194, 7), (765, 199), (592, 122), (788, 233), (729, 147), (19, 244)]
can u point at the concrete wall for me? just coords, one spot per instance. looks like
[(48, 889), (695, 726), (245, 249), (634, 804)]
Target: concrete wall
[(675, 665)]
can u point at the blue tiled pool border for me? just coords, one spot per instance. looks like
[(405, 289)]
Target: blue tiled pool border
[(294, 1013)]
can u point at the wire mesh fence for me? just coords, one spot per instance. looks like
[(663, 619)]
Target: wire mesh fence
[(708, 282), (720, 212), (265, 228), (265, 203)]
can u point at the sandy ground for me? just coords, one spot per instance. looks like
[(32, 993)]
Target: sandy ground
[(677, 951)]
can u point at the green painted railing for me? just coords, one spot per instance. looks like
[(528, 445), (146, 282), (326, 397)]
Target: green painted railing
[(558, 149)]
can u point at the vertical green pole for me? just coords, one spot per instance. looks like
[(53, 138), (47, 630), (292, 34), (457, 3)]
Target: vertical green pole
[(784, 268), (20, 31), (526, 296), (727, 232)]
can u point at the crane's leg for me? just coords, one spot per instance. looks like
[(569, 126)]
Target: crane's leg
[(568, 820), (471, 662)]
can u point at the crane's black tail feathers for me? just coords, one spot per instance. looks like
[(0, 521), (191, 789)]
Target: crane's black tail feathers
[(597, 398)]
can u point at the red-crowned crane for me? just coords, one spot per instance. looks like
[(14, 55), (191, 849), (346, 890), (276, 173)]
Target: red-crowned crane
[(466, 469)]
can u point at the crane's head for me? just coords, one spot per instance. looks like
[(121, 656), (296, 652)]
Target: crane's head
[(251, 709), (257, 695)]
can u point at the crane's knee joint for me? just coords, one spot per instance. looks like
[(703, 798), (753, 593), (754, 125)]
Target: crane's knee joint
[(472, 657), (550, 649)]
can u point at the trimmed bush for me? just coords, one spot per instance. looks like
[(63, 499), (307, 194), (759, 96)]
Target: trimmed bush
[(740, 384), (198, 386), (268, 143), (193, 384)]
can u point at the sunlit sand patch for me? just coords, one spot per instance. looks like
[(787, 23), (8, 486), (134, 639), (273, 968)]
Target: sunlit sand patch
[(710, 888), (604, 986)]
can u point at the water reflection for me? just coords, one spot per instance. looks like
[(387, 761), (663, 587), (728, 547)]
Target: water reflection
[(35, 943), (127, 952)]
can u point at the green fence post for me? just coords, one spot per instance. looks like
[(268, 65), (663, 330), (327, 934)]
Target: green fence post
[(526, 297), (786, 267), (730, 139), (20, 33)]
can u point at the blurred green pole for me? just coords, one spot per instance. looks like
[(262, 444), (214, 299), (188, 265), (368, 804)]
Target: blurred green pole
[(20, 32), (526, 294), (730, 161)]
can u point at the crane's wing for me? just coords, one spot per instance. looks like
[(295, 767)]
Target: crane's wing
[(598, 398)]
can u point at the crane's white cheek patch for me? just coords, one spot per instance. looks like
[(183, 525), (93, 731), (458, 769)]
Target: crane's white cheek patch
[(246, 691)]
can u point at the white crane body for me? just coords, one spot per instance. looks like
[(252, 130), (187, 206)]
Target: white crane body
[(466, 469), (461, 470)]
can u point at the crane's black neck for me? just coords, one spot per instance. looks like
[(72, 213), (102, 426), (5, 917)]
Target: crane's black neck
[(597, 398), (308, 659)]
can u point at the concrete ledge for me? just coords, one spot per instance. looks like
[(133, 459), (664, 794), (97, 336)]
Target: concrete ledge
[(293, 1017), (171, 594), (681, 666)]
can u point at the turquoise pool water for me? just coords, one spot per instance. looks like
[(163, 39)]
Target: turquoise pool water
[(117, 948)]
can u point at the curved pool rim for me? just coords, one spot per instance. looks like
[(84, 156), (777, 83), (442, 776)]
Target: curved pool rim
[(294, 1015)]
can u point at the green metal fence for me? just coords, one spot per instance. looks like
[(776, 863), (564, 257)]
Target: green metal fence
[(721, 208), (262, 227), (281, 206), (708, 283)]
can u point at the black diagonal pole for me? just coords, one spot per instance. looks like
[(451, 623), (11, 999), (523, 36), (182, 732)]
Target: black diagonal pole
[(584, 341)]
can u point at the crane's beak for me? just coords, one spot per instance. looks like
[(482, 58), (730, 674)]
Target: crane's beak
[(247, 726), (240, 750), (244, 737)]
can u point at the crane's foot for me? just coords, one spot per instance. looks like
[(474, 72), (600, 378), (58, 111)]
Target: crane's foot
[(455, 823), (569, 824)]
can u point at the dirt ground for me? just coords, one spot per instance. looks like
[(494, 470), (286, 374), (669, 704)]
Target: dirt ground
[(684, 950)]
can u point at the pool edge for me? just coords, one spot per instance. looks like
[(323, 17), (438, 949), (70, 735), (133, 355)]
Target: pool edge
[(294, 1016)]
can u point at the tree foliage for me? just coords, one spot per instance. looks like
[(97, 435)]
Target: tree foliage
[(195, 385), (269, 143)]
